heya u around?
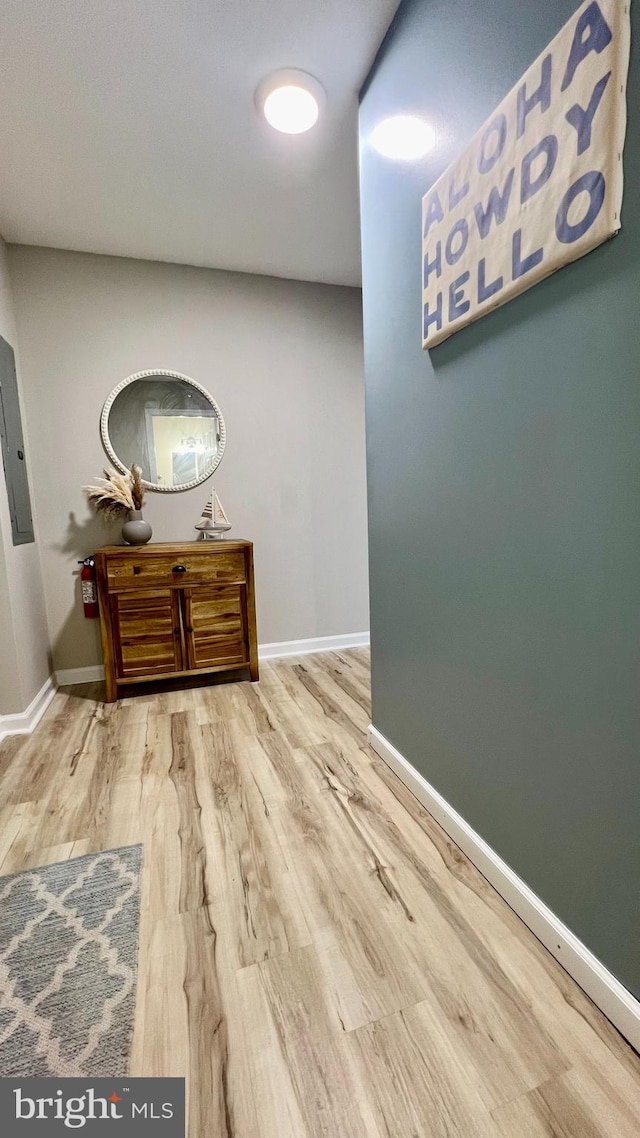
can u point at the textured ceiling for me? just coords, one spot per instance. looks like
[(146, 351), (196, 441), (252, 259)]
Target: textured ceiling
[(129, 127)]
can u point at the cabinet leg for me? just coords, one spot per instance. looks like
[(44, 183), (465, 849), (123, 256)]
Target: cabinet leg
[(111, 693), (253, 671)]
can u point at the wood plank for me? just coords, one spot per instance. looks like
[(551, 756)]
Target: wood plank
[(418, 1080), (305, 1080), (568, 1107), (251, 891)]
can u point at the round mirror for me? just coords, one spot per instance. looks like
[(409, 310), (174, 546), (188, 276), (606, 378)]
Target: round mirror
[(167, 424)]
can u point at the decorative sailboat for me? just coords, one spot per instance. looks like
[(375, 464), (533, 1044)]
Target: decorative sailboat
[(214, 522)]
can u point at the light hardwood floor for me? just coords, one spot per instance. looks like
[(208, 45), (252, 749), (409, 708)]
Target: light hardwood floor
[(316, 956)]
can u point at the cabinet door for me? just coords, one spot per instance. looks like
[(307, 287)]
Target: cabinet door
[(216, 625), (147, 632)]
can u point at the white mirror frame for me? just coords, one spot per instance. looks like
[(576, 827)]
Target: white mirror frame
[(106, 441)]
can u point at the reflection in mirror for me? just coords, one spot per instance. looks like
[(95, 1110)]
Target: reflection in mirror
[(168, 425)]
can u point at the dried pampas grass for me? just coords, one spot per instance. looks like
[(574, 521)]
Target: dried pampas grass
[(137, 487), (113, 496)]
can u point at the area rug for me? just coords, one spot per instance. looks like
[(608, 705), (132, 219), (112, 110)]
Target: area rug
[(68, 961)]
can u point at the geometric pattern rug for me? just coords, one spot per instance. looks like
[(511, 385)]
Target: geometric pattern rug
[(68, 961)]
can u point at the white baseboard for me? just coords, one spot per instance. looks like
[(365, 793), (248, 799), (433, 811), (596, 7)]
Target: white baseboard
[(317, 644), (88, 675), (24, 722), (94, 672), (609, 994)]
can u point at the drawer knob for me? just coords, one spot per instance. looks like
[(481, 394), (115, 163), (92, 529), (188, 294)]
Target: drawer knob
[(179, 569)]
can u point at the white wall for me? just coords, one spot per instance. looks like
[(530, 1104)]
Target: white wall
[(284, 361), (24, 664)]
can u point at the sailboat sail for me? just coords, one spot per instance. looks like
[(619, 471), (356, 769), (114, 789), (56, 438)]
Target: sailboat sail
[(219, 516), (214, 521)]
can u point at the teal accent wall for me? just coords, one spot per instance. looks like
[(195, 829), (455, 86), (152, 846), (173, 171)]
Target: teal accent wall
[(504, 500)]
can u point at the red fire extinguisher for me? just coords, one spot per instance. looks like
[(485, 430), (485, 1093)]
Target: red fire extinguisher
[(89, 588)]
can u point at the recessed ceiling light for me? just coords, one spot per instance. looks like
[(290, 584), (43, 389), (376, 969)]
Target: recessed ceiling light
[(405, 137), (290, 101)]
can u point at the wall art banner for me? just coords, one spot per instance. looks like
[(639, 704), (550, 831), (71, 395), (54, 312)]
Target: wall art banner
[(539, 185)]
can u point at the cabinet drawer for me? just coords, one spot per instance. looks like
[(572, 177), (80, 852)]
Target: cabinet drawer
[(158, 569)]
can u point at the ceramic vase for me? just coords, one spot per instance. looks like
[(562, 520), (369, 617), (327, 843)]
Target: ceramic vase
[(136, 531)]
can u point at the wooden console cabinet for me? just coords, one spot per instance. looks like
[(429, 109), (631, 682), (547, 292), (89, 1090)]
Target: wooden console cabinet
[(176, 610)]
